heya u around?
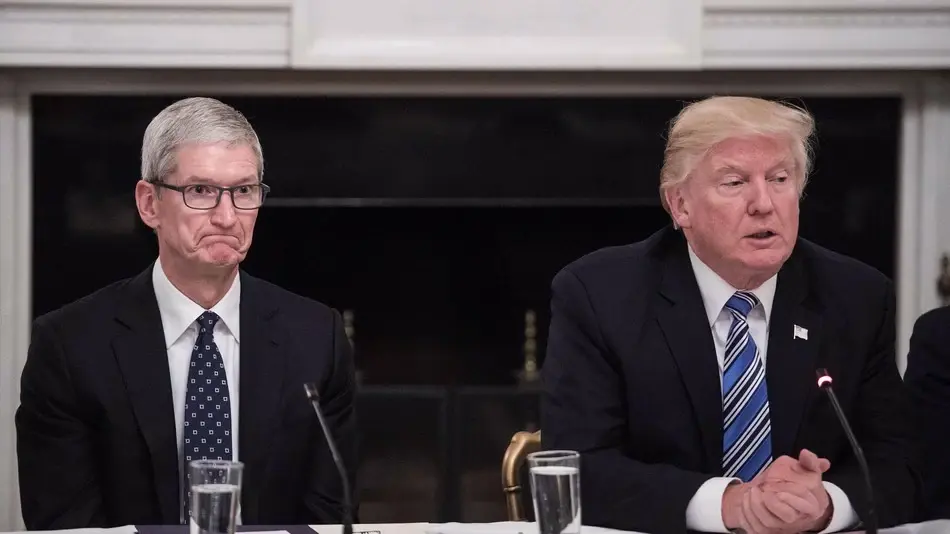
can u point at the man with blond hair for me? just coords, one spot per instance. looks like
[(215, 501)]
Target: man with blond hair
[(191, 359), (683, 367)]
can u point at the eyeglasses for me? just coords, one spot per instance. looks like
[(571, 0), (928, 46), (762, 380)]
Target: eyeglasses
[(207, 196)]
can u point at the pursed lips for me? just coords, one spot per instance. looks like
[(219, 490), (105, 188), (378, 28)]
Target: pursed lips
[(219, 237)]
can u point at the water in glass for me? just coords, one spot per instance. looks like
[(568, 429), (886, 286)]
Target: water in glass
[(556, 492), (215, 496), (214, 508)]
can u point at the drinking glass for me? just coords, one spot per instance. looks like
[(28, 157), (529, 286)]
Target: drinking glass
[(556, 491), (215, 496)]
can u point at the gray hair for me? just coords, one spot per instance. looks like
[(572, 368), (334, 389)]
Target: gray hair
[(703, 124), (194, 120)]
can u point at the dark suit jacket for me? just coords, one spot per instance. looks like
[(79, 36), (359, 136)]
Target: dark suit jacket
[(96, 431), (631, 380), (928, 381)]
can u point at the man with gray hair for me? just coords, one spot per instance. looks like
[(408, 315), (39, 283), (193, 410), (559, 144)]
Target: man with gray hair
[(683, 367), (191, 359)]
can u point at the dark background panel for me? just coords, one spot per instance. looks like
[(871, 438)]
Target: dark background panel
[(437, 223)]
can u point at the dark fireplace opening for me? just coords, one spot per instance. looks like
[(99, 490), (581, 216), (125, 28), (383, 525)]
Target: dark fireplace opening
[(436, 224), (437, 295)]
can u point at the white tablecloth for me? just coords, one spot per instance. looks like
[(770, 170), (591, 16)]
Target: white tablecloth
[(504, 527)]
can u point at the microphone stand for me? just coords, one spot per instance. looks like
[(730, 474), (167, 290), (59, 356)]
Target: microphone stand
[(824, 383), (313, 395)]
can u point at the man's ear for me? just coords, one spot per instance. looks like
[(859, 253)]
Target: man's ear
[(679, 207), (146, 200)]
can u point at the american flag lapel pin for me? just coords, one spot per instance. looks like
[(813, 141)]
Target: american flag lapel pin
[(800, 333)]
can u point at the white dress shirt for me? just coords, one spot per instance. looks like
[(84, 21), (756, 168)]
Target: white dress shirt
[(704, 512), (179, 315)]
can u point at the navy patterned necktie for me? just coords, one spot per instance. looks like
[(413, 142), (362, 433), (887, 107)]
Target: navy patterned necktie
[(747, 442), (207, 430)]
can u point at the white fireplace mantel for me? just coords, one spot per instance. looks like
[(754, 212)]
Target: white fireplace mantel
[(482, 34), (473, 47)]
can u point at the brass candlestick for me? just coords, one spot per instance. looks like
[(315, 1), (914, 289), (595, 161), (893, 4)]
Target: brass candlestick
[(348, 326), (529, 373), (350, 330), (943, 281)]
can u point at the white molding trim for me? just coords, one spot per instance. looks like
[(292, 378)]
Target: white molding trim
[(8, 311), (496, 34), (846, 34), (486, 34), (152, 33), (911, 222), (822, 5), (175, 4), (924, 231), (935, 179), (15, 282), (495, 83)]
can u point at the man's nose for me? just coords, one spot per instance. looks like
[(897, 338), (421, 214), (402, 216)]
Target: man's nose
[(761, 197), (224, 214)]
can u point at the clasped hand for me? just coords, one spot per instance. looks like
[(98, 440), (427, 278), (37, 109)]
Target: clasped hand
[(787, 497)]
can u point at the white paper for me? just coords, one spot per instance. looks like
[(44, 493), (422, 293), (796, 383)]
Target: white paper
[(521, 527), (506, 527), (517, 527), (374, 528), (941, 526)]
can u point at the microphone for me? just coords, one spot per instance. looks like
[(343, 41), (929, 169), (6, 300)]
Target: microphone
[(824, 382), (314, 396)]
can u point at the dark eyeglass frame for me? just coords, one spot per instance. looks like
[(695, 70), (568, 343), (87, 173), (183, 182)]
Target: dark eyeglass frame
[(221, 190)]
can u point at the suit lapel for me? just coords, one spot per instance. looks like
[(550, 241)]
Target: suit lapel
[(686, 329), (139, 348), (261, 386), (791, 359)]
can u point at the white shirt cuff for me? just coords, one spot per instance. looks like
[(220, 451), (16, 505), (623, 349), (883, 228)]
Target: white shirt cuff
[(704, 511), (843, 515)]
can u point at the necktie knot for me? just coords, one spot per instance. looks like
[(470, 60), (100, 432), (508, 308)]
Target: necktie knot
[(742, 303), (207, 320)]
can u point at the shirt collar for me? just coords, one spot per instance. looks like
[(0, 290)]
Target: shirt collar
[(716, 291), (179, 312)]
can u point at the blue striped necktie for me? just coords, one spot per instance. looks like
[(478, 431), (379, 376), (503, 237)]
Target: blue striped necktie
[(747, 443)]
